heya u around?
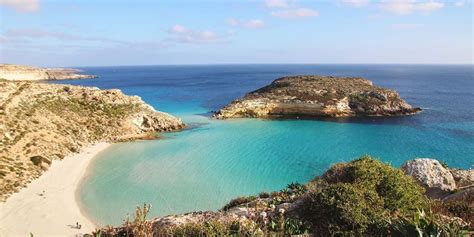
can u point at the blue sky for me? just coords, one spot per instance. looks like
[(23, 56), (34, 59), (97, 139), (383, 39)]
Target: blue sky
[(101, 33)]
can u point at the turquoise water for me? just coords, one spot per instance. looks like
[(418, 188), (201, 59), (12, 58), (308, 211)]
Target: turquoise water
[(214, 161)]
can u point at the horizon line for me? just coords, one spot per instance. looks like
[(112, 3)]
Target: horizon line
[(269, 64)]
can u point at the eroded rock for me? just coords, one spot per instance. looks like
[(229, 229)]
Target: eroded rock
[(437, 180), (317, 96), (26, 73), (463, 178)]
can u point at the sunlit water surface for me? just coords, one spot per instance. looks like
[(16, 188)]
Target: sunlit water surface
[(214, 161)]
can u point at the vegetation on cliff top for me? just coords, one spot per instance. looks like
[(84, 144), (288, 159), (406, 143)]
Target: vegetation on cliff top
[(364, 197), (41, 122), (317, 96)]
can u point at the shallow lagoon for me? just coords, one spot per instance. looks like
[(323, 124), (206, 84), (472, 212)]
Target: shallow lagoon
[(214, 161)]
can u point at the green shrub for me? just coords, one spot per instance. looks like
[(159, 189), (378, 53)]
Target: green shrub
[(399, 192), (139, 226), (295, 188), (428, 224), (361, 197), (281, 226), (238, 201), (213, 228), (344, 207), (263, 195)]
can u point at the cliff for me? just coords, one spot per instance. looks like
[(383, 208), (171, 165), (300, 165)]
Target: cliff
[(26, 73), (317, 96), (41, 122)]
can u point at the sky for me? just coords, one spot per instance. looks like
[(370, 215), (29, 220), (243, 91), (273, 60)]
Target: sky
[(162, 32)]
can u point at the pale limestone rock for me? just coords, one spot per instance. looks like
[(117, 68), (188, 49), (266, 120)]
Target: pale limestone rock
[(317, 96), (436, 179), (239, 211), (26, 73), (463, 178)]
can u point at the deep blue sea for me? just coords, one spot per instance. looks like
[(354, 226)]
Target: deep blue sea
[(214, 161)]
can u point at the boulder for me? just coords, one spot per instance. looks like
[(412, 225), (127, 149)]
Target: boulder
[(463, 178), (466, 195), (436, 179)]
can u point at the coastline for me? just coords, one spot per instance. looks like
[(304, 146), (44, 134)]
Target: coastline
[(56, 212)]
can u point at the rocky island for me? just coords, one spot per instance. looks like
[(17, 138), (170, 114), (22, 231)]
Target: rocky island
[(317, 96), (42, 122), (27, 73)]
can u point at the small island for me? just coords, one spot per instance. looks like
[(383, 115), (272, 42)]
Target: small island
[(14, 72), (317, 96)]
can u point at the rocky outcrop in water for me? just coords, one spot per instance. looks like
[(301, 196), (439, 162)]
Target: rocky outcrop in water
[(317, 96), (26, 73), (42, 122)]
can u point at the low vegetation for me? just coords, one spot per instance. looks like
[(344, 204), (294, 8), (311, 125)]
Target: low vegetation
[(364, 197), (41, 122)]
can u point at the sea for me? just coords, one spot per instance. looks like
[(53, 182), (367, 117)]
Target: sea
[(213, 161)]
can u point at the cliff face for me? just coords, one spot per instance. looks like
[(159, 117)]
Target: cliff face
[(41, 122), (318, 96), (27, 73)]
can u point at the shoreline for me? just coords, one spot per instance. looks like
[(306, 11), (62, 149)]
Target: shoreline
[(56, 212)]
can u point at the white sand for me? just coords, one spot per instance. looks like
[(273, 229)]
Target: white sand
[(54, 213)]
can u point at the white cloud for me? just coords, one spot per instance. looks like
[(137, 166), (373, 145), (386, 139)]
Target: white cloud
[(21, 5), (459, 3), (276, 3), (355, 3), (251, 24), (33, 34), (254, 24), (428, 6), (181, 34), (177, 29), (295, 13), (404, 7), (406, 26)]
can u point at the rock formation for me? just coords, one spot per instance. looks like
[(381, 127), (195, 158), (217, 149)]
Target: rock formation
[(464, 178), (439, 181), (317, 96), (436, 179), (41, 122), (26, 73)]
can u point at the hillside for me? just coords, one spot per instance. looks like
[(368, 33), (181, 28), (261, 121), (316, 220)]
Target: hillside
[(43, 122)]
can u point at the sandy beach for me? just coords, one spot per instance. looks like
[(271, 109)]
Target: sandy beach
[(55, 212)]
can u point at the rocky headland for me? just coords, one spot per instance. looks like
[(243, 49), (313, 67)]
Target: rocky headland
[(317, 96), (27, 73), (364, 197), (42, 122)]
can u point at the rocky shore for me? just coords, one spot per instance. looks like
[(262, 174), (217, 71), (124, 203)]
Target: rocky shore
[(42, 122), (364, 197), (317, 96), (27, 73)]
